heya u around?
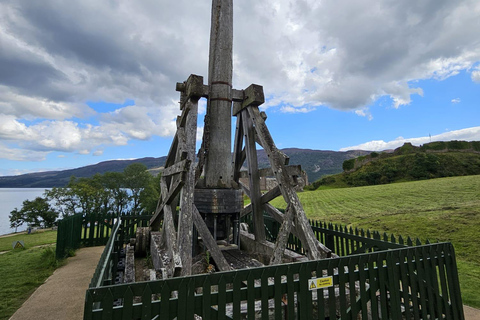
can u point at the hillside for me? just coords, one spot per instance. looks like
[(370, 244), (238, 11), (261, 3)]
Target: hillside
[(446, 209), (408, 163), (51, 179), (316, 163)]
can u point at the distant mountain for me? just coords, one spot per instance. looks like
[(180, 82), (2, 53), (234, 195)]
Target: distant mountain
[(316, 163), (51, 179)]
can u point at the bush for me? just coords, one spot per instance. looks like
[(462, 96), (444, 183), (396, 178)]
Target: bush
[(348, 164), (458, 145)]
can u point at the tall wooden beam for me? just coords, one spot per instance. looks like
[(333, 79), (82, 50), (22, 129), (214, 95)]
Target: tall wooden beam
[(219, 105), (254, 178)]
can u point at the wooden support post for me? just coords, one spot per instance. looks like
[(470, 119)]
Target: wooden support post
[(254, 179), (185, 222), (170, 235)]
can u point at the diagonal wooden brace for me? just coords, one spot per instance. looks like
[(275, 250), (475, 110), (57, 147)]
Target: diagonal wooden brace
[(209, 242)]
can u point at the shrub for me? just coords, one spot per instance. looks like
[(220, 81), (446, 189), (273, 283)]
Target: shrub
[(348, 164)]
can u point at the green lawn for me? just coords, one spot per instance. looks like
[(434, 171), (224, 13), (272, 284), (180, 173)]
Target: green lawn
[(446, 209), (22, 272), (31, 240)]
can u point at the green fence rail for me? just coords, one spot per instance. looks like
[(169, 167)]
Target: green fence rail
[(407, 283), (69, 235), (377, 277), (124, 229), (93, 230)]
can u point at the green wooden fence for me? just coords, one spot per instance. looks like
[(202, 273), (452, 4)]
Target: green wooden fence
[(69, 235), (377, 277), (407, 283), (93, 230)]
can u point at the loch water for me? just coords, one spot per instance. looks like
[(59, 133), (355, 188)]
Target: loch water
[(11, 198)]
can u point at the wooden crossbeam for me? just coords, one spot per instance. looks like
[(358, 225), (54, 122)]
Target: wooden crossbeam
[(178, 167), (267, 197), (292, 170), (168, 195)]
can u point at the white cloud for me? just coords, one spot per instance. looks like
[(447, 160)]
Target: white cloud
[(364, 113), (456, 100), (290, 109), (468, 134), (476, 75), (58, 55)]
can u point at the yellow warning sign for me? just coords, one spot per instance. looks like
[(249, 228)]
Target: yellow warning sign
[(18, 245), (320, 283)]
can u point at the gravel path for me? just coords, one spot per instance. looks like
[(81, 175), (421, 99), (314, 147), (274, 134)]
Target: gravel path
[(62, 296)]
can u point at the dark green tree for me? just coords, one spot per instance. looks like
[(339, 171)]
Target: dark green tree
[(38, 212), (17, 219), (62, 199), (137, 179)]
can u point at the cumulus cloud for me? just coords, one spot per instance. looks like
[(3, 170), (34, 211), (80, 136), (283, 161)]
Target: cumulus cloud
[(476, 75), (456, 100), (468, 134), (58, 55)]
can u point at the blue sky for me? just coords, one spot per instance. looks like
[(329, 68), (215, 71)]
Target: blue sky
[(90, 81)]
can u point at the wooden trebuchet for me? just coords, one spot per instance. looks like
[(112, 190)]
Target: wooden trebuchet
[(250, 127)]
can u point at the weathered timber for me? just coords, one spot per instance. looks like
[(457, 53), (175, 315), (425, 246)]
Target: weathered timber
[(267, 197), (283, 234), (218, 201), (263, 250), (185, 222), (255, 195), (240, 260), (239, 153), (292, 170), (168, 196), (129, 264), (253, 96), (219, 105), (277, 163), (178, 167), (279, 217), (209, 242), (169, 234)]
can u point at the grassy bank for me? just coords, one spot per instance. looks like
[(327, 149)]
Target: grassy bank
[(446, 209), (24, 270), (37, 238)]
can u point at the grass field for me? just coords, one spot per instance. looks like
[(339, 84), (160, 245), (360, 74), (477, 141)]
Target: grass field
[(446, 209), (22, 272), (31, 240)]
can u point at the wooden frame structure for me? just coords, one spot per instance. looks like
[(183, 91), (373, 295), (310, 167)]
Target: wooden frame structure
[(182, 174)]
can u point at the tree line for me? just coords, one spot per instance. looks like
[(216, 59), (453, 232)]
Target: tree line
[(134, 191)]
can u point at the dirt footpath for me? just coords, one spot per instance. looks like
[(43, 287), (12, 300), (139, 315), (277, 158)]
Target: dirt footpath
[(62, 296)]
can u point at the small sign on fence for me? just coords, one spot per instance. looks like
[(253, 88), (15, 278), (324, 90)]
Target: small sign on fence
[(320, 283)]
